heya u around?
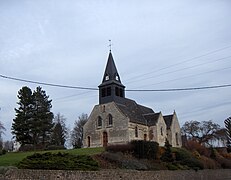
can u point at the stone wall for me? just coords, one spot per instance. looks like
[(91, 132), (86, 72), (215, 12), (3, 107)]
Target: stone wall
[(117, 132), (13, 174)]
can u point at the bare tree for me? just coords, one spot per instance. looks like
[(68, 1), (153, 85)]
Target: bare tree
[(9, 145), (77, 132), (203, 132), (2, 129)]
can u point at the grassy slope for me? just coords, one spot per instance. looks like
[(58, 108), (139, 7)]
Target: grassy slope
[(12, 158)]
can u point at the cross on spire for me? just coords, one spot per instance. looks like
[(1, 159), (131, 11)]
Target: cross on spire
[(110, 45)]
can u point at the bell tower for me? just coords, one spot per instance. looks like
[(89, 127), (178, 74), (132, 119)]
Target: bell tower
[(111, 88)]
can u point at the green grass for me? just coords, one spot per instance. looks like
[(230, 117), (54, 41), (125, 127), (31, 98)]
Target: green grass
[(12, 158)]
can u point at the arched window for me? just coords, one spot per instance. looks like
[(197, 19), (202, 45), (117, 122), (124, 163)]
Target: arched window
[(88, 141), (110, 120), (99, 121), (121, 92), (136, 131), (108, 91), (103, 92), (161, 131), (145, 137), (177, 143), (117, 91)]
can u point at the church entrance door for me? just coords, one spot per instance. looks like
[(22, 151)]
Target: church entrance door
[(88, 141), (105, 139)]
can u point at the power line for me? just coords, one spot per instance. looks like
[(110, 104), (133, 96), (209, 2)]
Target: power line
[(48, 84), (185, 68), (185, 77), (181, 62), (135, 90), (182, 89)]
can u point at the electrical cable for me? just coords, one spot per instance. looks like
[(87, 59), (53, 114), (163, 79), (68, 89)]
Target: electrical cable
[(185, 68), (134, 90), (181, 62)]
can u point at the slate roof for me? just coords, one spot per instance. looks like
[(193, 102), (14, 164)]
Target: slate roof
[(111, 72), (138, 113), (152, 118), (168, 120)]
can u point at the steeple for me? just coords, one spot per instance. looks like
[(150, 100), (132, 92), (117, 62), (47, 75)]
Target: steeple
[(111, 72), (111, 88)]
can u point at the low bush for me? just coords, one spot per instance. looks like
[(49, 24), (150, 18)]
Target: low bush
[(181, 154), (193, 163), (226, 155), (58, 161), (184, 157), (2, 152), (195, 146), (208, 163), (196, 154), (124, 148), (145, 149), (225, 163), (171, 166)]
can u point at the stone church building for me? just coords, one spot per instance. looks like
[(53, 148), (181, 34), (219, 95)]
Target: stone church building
[(118, 120)]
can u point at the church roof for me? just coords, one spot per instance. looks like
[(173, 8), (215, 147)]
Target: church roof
[(152, 118), (111, 74), (168, 120), (135, 112)]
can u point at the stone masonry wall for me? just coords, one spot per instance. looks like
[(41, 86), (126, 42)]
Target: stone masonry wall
[(20, 174), (117, 133)]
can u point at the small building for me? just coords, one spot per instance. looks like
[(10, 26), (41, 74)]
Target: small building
[(119, 120)]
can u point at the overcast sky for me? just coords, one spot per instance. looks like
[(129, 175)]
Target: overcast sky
[(157, 44)]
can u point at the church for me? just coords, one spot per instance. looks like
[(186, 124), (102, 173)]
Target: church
[(119, 120)]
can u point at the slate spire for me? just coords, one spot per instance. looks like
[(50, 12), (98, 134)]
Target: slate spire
[(111, 88), (111, 72)]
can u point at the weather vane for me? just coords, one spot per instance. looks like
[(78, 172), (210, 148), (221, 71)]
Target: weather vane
[(110, 45)]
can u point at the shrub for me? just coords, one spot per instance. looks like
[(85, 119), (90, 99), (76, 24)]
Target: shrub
[(225, 163), (167, 155), (226, 155), (58, 161), (195, 146), (196, 154), (123, 161), (124, 148), (171, 166), (2, 152), (145, 149), (192, 163), (208, 163), (213, 153), (181, 154), (184, 157)]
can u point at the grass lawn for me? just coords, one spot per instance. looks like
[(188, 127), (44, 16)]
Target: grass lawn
[(12, 158)]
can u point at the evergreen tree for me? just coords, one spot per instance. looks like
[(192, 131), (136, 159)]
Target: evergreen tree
[(59, 131), (42, 124), (33, 119), (228, 133), (167, 156), (21, 127)]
